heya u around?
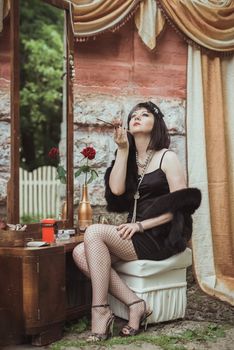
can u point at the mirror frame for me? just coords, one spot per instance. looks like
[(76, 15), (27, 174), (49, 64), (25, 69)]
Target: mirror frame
[(13, 183)]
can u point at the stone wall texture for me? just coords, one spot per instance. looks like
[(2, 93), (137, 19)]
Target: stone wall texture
[(113, 73), (4, 115)]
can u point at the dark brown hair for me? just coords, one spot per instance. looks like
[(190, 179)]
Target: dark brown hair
[(160, 137)]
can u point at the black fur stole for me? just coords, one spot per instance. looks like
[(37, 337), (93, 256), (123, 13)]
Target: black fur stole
[(186, 201), (182, 204)]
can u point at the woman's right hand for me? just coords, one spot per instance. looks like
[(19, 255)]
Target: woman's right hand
[(120, 135), (118, 173)]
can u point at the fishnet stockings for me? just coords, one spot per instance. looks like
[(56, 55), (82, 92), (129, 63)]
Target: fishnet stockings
[(102, 246)]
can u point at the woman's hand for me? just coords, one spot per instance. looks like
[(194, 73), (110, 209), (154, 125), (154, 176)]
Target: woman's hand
[(120, 135), (126, 231)]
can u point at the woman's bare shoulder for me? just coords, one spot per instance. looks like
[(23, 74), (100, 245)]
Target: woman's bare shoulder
[(170, 154), (171, 160)]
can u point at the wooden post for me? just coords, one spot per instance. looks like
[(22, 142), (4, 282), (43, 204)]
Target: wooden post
[(13, 184), (70, 133)]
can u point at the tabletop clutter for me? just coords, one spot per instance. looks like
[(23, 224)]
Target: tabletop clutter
[(51, 233), (18, 227), (18, 235)]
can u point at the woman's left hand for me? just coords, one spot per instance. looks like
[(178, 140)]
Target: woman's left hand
[(126, 231)]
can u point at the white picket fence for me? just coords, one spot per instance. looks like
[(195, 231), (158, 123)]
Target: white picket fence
[(40, 192)]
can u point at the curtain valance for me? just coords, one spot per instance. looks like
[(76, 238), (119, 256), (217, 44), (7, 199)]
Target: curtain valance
[(207, 23), (149, 22), (92, 17)]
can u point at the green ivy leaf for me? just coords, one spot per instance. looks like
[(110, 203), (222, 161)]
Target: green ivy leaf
[(61, 171), (85, 168), (82, 169), (61, 174), (90, 180), (93, 176), (78, 172), (63, 180), (94, 172)]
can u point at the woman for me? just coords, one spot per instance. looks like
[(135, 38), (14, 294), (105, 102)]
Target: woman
[(147, 180)]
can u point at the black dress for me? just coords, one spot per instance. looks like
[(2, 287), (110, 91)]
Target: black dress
[(151, 244), (163, 241)]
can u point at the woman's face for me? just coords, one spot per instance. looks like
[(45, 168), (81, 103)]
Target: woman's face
[(141, 121)]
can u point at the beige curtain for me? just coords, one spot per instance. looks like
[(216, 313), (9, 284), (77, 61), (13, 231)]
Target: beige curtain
[(92, 17), (209, 24), (210, 135), (149, 22)]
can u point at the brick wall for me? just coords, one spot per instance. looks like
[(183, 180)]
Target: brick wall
[(4, 114), (113, 73)]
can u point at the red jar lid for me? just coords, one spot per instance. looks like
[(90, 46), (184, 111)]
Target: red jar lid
[(48, 221)]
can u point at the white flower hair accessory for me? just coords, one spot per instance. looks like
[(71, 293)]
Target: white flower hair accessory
[(155, 109)]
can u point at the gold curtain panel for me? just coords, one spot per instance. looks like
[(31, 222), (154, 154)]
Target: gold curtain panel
[(210, 118), (209, 24), (92, 17)]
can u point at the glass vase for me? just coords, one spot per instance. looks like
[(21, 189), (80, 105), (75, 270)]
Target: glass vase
[(85, 212)]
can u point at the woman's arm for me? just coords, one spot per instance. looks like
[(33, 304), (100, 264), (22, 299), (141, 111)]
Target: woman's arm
[(126, 231), (174, 172), (176, 181), (157, 221), (119, 170)]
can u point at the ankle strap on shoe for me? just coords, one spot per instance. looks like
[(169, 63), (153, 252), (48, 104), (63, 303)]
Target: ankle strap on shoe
[(103, 305), (135, 302)]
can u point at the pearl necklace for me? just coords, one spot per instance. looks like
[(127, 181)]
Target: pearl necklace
[(140, 165), (137, 194)]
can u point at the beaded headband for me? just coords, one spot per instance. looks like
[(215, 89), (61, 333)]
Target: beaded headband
[(152, 108), (155, 109)]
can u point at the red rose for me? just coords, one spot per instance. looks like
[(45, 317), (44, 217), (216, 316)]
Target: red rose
[(89, 152), (53, 153)]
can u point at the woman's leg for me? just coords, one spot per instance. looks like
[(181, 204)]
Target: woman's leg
[(100, 242), (117, 287)]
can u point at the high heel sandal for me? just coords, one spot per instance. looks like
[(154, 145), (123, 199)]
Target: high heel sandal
[(143, 321), (94, 337)]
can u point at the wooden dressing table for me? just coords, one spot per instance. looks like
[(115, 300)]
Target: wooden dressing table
[(41, 288)]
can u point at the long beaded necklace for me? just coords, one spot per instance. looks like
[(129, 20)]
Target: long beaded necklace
[(140, 165), (137, 194)]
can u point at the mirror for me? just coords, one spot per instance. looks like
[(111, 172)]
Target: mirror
[(42, 71), (42, 122)]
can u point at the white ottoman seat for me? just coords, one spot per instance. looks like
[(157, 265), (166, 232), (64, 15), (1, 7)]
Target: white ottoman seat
[(162, 284)]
